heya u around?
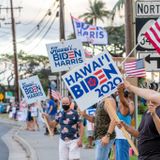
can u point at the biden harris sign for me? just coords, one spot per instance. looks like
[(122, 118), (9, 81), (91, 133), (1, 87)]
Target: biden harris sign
[(91, 82), (32, 89), (65, 55)]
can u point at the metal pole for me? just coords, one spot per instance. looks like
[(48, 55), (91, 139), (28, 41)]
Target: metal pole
[(15, 54)]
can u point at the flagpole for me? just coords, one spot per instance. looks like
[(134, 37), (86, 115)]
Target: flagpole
[(131, 51)]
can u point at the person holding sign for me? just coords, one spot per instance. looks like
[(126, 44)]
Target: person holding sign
[(104, 129), (125, 110), (148, 133), (71, 131)]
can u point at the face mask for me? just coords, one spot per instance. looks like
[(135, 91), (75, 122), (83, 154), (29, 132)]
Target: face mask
[(65, 107)]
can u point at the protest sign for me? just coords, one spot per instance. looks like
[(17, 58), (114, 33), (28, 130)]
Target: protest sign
[(91, 82), (32, 89), (90, 33), (65, 55)]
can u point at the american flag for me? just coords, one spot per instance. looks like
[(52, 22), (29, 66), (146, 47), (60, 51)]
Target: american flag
[(71, 55), (55, 94), (153, 35), (135, 68), (101, 76)]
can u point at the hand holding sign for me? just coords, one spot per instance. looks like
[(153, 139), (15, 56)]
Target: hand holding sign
[(95, 80)]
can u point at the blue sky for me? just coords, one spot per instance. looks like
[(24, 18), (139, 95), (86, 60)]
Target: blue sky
[(31, 14)]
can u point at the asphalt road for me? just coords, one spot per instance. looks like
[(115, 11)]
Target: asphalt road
[(4, 152)]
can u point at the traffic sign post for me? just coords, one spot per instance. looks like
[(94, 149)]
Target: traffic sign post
[(152, 61)]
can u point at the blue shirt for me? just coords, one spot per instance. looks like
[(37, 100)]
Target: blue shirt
[(51, 103), (69, 123)]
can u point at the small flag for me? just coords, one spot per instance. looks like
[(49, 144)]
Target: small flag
[(55, 94), (153, 35), (135, 68)]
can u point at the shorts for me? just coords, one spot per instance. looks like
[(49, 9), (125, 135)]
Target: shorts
[(29, 117), (90, 133), (68, 150)]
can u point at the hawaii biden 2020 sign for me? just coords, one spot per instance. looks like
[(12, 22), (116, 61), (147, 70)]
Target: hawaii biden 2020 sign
[(91, 82)]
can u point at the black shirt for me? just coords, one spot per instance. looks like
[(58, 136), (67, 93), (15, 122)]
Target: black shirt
[(149, 138)]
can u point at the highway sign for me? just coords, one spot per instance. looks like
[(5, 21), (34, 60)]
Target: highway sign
[(142, 25), (147, 8), (152, 61)]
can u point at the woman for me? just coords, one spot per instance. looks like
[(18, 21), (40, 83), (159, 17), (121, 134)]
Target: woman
[(148, 133)]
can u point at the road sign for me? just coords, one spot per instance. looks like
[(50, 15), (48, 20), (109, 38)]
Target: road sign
[(1, 96), (147, 8), (142, 25), (152, 61)]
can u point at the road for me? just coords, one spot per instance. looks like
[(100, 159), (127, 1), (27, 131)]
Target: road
[(4, 152)]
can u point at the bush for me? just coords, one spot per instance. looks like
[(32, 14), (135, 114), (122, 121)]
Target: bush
[(142, 108)]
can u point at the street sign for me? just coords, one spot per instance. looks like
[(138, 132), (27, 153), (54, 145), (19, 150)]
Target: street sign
[(147, 8), (152, 61), (142, 25), (1, 96)]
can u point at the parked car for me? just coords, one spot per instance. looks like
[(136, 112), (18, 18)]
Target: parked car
[(3, 107)]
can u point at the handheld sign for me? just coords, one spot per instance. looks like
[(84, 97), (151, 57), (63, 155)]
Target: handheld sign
[(91, 82), (32, 89), (65, 55), (89, 33)]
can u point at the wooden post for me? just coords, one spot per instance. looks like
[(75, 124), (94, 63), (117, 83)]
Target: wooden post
[(125, 133), (45, 121)]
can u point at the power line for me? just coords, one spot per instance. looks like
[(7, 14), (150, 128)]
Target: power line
[(35, 34), (49, 28), (35, 29)]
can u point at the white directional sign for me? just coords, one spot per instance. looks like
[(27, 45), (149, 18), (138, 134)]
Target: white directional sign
[(152, 61), (147, 8)]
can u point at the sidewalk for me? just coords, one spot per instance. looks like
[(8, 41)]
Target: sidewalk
[(35, 145), (46, 147)]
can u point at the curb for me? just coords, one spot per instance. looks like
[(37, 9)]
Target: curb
[(30, 152)]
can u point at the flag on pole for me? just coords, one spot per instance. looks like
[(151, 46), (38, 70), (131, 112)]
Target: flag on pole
[(135, 68), (153, 35), (55, 94), (89, 33)]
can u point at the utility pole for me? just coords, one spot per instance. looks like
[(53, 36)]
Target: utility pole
[(61, 38), (129, 30), (15, 54), (11, 8)]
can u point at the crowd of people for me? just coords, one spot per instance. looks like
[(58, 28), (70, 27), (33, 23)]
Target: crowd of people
[(64, 117)]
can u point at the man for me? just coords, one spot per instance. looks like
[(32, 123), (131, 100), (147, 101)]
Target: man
[(51, 111), (148, 133), (71, 131), (104, 128)]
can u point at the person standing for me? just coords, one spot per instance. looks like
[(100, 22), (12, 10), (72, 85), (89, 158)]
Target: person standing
[(125, 110), (148, 133), (51, 111), (71, 131), (104, 128)]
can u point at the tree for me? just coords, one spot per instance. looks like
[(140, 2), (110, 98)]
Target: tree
[(128, 21), (96, 12), (116, 40), (29, 65)]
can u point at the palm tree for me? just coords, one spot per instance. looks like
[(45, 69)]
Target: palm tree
[(118, 6), (128, 21), (96, 12)]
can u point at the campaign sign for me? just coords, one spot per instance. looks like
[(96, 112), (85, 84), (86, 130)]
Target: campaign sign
[(65, 55), (90, 33), (91, 82), (32, 89)]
